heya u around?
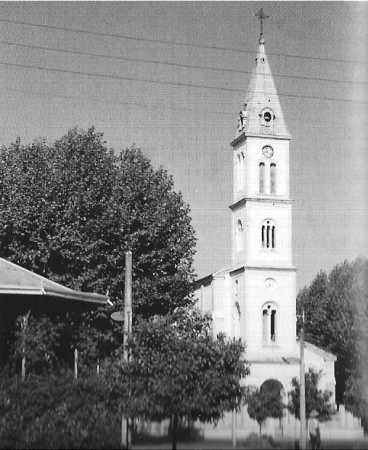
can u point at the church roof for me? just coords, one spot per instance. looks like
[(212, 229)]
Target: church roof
[(15, 280), (273, 359), (206, 279), (261, 94), (320, 352), (281, 359)]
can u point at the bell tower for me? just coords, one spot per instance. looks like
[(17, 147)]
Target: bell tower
[(261, 213), (254, 298)]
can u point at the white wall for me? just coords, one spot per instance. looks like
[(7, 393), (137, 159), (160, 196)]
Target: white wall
[(253, 214), (276, 286), (246, 183)]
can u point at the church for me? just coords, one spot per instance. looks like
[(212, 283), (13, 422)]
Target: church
[(255, 298)]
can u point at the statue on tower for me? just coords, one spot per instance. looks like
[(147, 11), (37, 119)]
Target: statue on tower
[(243, 119)]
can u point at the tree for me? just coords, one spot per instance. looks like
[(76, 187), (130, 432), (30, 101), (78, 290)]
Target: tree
[(38, 340), (68, 210), (336, 314), (315, 399), (264, 403), (178, 370), (356, 397)]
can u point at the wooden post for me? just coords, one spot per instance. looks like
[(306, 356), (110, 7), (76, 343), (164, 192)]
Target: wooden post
[(23, 366), (302, 390), (125, 428), (75, 364), (24, 325)]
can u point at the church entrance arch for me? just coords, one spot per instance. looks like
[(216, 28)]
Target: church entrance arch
[(272, 386), (275, 389)]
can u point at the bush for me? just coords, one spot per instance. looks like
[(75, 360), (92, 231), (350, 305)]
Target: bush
[(58, 412)]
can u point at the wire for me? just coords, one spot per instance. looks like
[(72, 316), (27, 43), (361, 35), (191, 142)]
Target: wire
[(154, 106), (168, 83), (176, 43), (173, 64)]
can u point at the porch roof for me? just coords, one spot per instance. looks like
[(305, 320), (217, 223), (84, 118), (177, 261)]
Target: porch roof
[(16, 280)]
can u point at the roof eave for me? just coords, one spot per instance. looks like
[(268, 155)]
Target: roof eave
[(86, 297)]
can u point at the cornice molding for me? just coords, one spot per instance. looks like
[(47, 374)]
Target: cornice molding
[(244, 135), (260, 199), (233, 271), (278, 268)]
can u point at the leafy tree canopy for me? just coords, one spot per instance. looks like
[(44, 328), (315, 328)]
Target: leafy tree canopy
[(264, 403), (70, 209), (315, 399), (356, 397), (336, 316), (178, 370)]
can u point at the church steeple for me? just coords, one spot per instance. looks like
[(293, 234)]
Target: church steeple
[(261, 206), (262, 113)]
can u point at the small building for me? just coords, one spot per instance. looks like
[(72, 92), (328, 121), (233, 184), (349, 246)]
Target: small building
[(23, 291)]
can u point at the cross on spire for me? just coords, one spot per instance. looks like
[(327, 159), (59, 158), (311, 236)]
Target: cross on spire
[(261, 16)]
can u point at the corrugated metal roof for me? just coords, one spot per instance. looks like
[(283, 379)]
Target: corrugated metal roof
[(16, 280)]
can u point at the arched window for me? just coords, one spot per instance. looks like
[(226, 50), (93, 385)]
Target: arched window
[(242, 172), (238, 172), (269, 323), (239, 235), (268, 234), (236, 289), (273, 178), (261, 177), (236, 310)]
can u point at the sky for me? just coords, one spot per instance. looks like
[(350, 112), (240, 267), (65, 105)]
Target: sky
[(170, 77)]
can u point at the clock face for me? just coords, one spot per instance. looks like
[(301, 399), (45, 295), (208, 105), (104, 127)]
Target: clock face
[(267, 151)]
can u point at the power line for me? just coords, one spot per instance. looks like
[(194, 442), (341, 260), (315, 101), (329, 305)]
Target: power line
[(168, 83), (153, 106), (175, 43), (170, 63), (118, 77)]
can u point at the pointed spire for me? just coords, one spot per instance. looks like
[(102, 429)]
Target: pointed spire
[(262, 113)]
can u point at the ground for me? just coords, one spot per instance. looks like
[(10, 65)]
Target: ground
[(251, 444)]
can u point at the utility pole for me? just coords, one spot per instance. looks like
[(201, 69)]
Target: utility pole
[(125, 428), (125, 316), (303, 435), (127, 302)]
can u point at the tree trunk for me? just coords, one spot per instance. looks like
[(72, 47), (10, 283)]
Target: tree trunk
[(174, 430), (260, 429)]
